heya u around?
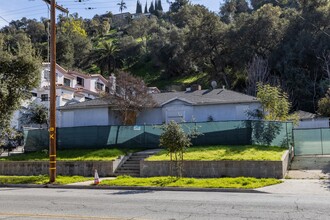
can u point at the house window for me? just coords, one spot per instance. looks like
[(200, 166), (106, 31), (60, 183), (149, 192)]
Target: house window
[(80, 81), (34, 94), (99, 86), (107, 89), (46, 74), (67, 82), (44, 97)]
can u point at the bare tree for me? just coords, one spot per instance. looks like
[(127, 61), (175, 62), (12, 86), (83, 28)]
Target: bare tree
[(325, 58), (258, 72), (131, 97)]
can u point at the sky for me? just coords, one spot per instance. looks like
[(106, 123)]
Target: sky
[(16, 9)]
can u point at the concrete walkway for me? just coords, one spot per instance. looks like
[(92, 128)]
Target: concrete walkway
[(302, 186), (308, 175), (88, 183)]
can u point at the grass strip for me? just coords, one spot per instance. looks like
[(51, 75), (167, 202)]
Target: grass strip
[(237, 183), (210, 153), (41, 179), (73, 155)]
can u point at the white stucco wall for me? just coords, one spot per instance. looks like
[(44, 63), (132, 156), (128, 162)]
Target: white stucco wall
[(314, 123), (174, 110), (224, 112), (178, 109), (84, 117), (150, 116)]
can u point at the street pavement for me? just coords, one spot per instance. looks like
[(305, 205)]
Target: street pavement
[(46, 203)]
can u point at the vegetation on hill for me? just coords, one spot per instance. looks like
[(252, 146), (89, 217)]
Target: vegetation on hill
[(281, 43), (206, 153), (73, 155), (239, 182), (41, 179)]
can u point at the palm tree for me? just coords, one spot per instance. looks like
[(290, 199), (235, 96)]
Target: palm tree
[(104, 57), (122, 6)]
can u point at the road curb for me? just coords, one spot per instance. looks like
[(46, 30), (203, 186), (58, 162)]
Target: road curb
[(54, 186)]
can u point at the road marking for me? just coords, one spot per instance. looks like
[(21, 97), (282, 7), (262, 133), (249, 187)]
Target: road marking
[(49, 216)]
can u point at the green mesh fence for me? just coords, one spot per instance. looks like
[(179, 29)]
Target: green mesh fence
[(147, 136), (36, 139), (311, 141)]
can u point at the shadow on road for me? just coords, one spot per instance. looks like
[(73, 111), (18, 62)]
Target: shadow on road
[(131, 192)]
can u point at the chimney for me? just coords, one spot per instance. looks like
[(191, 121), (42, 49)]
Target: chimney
[(112, 84), (196, 87)]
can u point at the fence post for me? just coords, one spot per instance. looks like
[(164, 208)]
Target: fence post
[(321, 140), (144, 134)]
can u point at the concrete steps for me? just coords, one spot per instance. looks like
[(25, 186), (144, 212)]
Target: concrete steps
[(131, 166), (311, 163)]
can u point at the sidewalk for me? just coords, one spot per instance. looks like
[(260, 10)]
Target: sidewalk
[(88, 183), (299, 186)]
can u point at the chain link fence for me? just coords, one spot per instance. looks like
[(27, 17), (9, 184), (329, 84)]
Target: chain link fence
[(147, 136)]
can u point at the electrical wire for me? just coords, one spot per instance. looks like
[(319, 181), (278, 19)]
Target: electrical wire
[(4, 19)]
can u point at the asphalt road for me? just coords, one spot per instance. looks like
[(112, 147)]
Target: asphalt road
[(43, 203)]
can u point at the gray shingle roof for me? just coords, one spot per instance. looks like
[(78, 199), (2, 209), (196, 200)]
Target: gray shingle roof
[(205, 97), (100, 102), (305, 115), (199, 97)]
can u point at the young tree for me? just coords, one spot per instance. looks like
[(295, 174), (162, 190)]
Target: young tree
[(176, 142), (275, 103), (131, 97), (122, 6)]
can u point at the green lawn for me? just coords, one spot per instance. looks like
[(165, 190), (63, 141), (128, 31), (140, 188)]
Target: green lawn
[(42, 179), (239, 182), (73, 155), (226, 153)]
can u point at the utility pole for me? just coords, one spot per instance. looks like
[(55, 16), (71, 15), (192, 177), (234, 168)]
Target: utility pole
[(52, 92)]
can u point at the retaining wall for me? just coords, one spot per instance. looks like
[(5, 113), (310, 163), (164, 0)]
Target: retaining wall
[(65, 168), (225, 168)]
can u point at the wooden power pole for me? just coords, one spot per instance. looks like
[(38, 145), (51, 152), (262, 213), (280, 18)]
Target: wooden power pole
[(52, 92)]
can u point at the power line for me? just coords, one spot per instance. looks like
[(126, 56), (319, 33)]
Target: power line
[(24, 12), (23, 8), (4, 19)]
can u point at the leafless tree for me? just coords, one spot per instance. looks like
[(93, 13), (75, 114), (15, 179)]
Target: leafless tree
[(131, 97), (325, 58), (258, 71)]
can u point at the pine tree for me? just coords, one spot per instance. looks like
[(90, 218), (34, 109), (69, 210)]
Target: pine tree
[(160, 7), (156, 5), (138, 7), (152, 8), (146, 8)]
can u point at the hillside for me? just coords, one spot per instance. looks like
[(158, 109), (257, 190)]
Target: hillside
[(281, 43)]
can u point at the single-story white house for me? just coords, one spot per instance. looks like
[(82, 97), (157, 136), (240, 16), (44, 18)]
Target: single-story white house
[(310, 120), (189, 106)]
